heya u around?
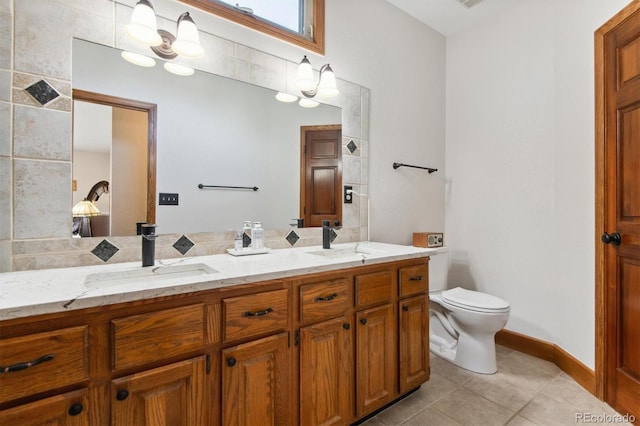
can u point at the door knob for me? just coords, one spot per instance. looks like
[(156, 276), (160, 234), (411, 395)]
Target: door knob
[(613, 238)]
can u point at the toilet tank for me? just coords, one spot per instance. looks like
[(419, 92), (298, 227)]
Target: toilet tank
[(438, 270)]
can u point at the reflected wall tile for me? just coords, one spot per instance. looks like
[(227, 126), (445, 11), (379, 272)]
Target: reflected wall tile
[(219, 57), (43, 31), (268, 71), (352, 109), (243, 52), (5, 85), (5, 6), (5, 256), (243, 70), (42, 199), (5, 128), (41, 133), (5, 198), (5, 40)]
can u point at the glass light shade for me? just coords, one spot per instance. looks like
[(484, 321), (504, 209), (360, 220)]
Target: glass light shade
[(138, 59), (178, 69), (327, 87), (142, 27), (85, 208), (187, 42), (285, 97), (305, 81), (308, 103)]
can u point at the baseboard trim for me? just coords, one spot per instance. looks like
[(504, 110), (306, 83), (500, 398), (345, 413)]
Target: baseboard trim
[(582, 374)]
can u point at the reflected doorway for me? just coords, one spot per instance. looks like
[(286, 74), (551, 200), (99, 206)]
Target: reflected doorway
[(114, 140)]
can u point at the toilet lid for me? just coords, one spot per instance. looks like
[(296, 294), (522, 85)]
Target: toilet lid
[(474, 299)]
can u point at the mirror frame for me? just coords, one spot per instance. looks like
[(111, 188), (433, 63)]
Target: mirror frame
[(266, 27), (152, 112)]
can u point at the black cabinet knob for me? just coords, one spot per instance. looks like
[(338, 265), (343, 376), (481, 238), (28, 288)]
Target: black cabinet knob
[(346, 326), (405, 308), (613, 238), (122, 394), (75, 409), (363, 321), (231, 361)]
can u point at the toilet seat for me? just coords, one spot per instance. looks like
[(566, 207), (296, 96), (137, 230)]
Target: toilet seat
[(474, 301)]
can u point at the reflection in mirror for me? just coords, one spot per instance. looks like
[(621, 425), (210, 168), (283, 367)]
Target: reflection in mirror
[(211, 130)]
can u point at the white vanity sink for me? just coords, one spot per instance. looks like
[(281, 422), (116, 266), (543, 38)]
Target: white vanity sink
[(346, 252), (148, 274)]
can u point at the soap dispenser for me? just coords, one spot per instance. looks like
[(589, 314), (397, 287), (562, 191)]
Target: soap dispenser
[(246, 234), (257, 236)]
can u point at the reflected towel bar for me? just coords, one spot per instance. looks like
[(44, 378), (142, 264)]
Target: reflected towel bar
[(254, 188), (429, 169)]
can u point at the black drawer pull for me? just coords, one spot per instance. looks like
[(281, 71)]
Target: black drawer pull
[(122, 394), (363, 321), (405, 308), (75, 409), (325, 298), (24, 365), (418, 278), (257, 313), (231, 361)]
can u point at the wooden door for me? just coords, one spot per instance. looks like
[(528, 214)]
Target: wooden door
[(321, 175), (326, 373), (169, 395), (375, 358), (618, 210), (413, 342), (69, 409), (256, 382)]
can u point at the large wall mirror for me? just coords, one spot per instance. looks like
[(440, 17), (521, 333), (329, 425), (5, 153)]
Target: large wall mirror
[(210, 130)]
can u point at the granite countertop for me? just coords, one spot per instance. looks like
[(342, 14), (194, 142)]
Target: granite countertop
[(29, 293)]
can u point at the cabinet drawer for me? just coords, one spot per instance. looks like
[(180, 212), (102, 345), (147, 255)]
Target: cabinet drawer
[(323, 300), (414, 279), (255, 314), (139, 339), (63, 361), (374, 288)]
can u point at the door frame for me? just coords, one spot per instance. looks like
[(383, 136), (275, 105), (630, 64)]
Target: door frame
[(152, 119), (601, 308), (303, 163)]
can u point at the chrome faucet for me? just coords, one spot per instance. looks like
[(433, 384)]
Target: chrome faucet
[(148, 244)]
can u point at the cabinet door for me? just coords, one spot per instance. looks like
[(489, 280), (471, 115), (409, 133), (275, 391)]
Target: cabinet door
[(256, 385), (326, 373), (414, 342), (67, 409), (169, 395), (375, 358)]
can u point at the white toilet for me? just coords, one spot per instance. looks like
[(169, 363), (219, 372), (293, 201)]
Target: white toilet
[(462, 322)]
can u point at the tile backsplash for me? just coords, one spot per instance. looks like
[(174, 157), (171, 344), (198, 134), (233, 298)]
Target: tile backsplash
[(35, 134)]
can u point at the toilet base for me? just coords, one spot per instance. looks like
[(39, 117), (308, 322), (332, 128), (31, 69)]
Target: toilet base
[(477, 354)]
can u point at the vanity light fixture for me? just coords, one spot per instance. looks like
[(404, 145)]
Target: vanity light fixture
[(143, 29), (306, 83)]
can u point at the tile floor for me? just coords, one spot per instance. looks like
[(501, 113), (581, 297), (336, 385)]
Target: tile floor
[(525, 391)]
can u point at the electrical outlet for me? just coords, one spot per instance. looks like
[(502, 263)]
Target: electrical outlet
[(348, 196), (168, 199)]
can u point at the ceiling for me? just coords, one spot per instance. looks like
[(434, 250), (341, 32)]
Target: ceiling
[(451, 16)]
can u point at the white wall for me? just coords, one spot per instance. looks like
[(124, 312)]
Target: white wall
[(520, 165)]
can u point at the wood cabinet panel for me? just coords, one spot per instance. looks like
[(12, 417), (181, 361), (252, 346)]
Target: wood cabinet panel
[(326, 373), (63, 361), (69, 409), (374, 288), (256, 383), (375, 358), (139, 339), (413, 342), (413, 279), (255, 314), (323, 300), (171, 395)]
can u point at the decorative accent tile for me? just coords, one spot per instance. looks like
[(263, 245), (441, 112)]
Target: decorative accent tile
[(352, 146), (333, 235), (292, 238), (42, 92), (183, 245), (246, 240), (105, 250)]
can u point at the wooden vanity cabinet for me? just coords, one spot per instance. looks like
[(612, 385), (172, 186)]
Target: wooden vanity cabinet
[(327, 348)]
